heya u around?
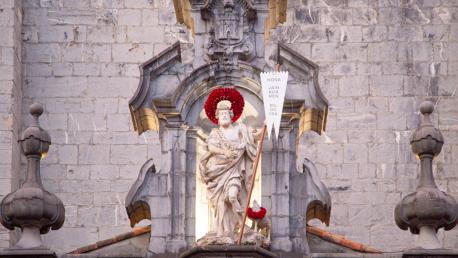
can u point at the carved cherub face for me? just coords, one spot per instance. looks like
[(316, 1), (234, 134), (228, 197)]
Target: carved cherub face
[(224, 113)]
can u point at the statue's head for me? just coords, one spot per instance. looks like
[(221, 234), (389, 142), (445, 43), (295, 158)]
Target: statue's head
[(224, 106), (224, 113)]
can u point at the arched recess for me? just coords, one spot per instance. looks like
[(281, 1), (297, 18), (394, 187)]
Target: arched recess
[(158, 98), (192, 92), (168, 100)]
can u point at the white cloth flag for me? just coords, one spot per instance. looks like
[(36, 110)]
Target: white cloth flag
[(273, 86)]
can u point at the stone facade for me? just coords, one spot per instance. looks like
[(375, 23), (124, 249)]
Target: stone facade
[(81, 62), (378, 60)]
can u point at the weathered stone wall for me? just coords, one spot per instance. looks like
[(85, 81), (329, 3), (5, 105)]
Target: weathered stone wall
[(81, 61), (10, 99), (378, 59)]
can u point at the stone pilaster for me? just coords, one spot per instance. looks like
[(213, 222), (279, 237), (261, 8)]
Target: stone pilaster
[(297, 195), (169, 235), (281, 152), (191, 165)]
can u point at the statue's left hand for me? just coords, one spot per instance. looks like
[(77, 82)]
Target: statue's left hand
[(256, 134)]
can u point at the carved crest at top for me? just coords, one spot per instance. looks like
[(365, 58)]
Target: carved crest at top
[(231, 34)]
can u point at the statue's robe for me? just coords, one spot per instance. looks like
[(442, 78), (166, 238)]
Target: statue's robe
[(220, 173)]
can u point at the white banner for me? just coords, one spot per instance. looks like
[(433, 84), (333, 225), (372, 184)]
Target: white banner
[(273, 92)]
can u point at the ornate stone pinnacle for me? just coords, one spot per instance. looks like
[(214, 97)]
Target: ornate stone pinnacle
[(427, 140), (32, 208), (427, 209)]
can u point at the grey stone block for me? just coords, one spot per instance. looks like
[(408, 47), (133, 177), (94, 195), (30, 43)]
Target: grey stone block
[(128, 154), (80, 69), (129, 17), (120, 186), (131, 53), (386, 51), (118, 122), (150, 17), (386, 85), (143, 34), (355, 153), (93, 154), (353, 86)]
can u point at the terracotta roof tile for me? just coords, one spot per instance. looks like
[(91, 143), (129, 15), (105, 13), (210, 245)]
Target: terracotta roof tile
[(340, 240), (321, 233), (135, 232)]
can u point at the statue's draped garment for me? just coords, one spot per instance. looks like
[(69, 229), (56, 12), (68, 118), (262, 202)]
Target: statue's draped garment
[(220, 173)]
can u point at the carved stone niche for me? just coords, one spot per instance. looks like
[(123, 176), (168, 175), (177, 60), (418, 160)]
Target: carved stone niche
[(170, 99)]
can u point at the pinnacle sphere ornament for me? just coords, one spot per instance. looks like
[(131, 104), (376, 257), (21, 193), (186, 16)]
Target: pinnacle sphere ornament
[(428, 208), (31, 208)]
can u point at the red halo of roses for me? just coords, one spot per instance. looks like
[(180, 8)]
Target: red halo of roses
[(220, 94)]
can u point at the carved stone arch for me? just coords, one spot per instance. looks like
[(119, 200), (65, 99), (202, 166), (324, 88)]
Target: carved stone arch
[(148, 106), (204, 79)]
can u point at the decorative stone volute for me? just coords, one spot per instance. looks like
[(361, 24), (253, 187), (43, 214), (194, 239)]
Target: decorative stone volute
[(427, 209), (32, 208)]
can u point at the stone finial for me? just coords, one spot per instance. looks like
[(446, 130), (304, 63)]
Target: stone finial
[(427, 139), (34, 140), (32, 208), (427, 209)]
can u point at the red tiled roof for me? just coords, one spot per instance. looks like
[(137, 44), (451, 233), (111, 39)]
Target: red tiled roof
[(135, 232), (340, 240), (321, 233)]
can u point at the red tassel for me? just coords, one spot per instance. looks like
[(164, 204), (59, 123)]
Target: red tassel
[(255, 215)]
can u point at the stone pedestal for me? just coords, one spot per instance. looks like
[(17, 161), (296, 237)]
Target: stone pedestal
[(228, 251), (28, 253)]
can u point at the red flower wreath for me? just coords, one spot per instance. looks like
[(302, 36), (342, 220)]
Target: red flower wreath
[(220, 94), (255, 215)]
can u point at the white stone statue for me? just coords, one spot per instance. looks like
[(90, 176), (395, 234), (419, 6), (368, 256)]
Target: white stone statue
[(226, 170)]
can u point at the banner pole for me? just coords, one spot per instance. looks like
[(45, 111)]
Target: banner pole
[(253, 178)]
